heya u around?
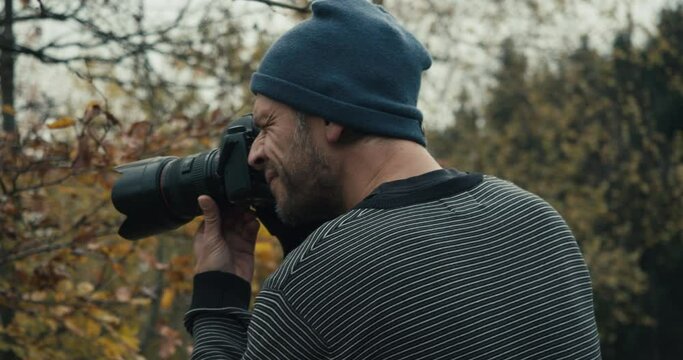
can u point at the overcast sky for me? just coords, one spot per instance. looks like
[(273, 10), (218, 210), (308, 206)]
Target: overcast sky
[(471, 66)]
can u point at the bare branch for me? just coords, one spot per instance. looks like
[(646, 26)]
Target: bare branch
[(46, 14), (134, 42), (304, 9), (42, 184), (33, 251), (49, 59), (41, 6)]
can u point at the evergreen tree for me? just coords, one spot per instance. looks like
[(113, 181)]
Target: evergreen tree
[(601, 138)]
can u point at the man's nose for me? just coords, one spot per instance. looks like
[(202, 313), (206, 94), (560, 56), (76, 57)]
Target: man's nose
[(256, 156)]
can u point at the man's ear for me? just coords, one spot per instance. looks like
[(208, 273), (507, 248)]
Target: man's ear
[(333, 131)]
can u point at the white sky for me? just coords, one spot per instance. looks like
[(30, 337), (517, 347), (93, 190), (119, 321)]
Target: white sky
[(471, 66)]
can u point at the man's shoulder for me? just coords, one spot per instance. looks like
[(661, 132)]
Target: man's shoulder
[(318, 251), (363, 235)]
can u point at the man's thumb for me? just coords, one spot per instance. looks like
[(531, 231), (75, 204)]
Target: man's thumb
[(211, 213)]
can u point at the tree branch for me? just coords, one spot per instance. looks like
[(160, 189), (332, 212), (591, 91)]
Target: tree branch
[(33, 251), (49, 59), (304, 9), (133, 42), (46, 14)]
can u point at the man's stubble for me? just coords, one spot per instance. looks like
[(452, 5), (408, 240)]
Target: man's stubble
[(312, 192)]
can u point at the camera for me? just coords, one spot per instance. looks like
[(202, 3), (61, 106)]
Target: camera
[(160, 194)]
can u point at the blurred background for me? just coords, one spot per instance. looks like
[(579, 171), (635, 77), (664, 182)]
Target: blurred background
[(579, 101)]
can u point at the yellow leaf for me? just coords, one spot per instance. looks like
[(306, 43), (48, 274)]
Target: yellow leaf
[(140, 301), (111, 348), (100, 295), (104, 316), (38, 296), (8, 109), (61, 123), (191, 227), (74, 326), (92, 328), (60, 310), (84, 288), (264, 251), (65, 286), (52, 324), (167, 299), (262, 246), (263, 232), (130, 339), (118, 249)]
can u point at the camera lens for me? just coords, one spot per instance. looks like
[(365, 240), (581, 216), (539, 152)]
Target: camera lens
[(183, 180), (160, 194)]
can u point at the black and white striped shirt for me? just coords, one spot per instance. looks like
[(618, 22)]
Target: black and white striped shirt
[(442, 266)]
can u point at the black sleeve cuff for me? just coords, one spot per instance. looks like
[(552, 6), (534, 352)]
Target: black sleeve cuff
[(217, 289)]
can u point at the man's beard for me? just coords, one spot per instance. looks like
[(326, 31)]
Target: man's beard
[(312, 192)]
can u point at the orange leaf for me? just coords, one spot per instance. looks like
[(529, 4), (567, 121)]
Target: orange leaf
[(167, 299), (62, 122), (118, 268), (8, 109)]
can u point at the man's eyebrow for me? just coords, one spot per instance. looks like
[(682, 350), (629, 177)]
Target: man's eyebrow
[(261, 120)]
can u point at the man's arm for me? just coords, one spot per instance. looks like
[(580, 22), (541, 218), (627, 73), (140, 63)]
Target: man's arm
[(218, 319), (224, 249), (228, 332)]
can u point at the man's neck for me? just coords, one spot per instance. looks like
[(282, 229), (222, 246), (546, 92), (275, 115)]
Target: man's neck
[(368, 165)]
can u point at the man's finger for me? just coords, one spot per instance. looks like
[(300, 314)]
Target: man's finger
[(212, 215)]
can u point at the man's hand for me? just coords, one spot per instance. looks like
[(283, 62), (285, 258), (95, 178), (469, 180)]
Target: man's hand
[(225, 243)]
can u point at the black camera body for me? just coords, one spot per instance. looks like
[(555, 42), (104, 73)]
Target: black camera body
[(160, 193)]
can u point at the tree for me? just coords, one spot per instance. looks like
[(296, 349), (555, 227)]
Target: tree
[(105, 33), (69, 286), (600, 138)]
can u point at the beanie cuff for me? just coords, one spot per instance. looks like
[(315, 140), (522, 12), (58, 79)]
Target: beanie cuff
[(356, 117)]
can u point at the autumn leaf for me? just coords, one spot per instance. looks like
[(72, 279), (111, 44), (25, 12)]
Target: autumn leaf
[(84, 288), (104, 316), (111, 348), (61, 123), (73, 325), (8, 109), (84, 235), (167, 299)]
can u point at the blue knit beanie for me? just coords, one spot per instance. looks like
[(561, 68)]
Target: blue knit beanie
[(350, 63)]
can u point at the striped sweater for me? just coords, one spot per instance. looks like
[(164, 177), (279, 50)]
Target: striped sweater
[(441, 266)]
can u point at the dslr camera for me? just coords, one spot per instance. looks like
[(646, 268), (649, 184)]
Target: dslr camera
[(160, 194)]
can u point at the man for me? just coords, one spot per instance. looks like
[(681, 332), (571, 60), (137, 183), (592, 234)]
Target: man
[(416, 261)]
